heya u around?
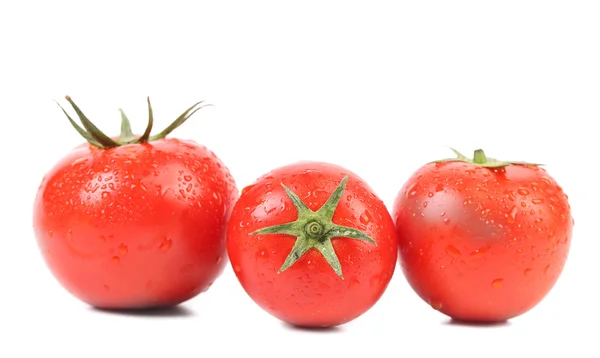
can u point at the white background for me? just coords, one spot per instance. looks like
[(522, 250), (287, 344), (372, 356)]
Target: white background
[(378, 87)]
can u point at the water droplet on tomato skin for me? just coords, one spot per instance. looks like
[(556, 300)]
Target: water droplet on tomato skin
[(523, 192), (497, 283), (166, 244), (511, 217), (453, 251), (122, 249), (263, 254), (237, 268), (480, 252), (50, 233), (115, 259), (365, 218), (436, 305)]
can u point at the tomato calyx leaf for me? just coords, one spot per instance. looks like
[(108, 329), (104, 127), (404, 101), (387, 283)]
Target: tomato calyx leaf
[(99, 139), (480, 159), (315, 229)]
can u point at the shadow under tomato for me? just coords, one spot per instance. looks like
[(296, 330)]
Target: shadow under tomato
[(455, 322), (174, 311), (323, 330)]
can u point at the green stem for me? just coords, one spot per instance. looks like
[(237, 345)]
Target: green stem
[(480, 159), (98, 139)]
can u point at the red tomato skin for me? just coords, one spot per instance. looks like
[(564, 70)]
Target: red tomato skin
[(137, 226), (309, 293), (482, 244)]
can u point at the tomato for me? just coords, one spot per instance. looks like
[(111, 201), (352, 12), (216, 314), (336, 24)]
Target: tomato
[(312, 244), (134, 222), (482, 240)]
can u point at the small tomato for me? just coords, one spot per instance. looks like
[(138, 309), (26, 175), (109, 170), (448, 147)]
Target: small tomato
[(312, 244), (134, 222), (480, 239)]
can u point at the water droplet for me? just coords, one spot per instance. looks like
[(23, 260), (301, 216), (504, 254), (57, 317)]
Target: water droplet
[(546, 269), (527, 271), (497, 283), (122, 249), (410, 190), (523, 204), (413, 193), (365, 218), (480, 252), (105, 194), (187, 177), (511, 194), (430, 194), (115, 259), (453, 251), (50, 233), (354, 282), (263, 254), (237, 268), (512, 215), (424, 204), (439, 187), (446, 221), (523, 192), (166, 244), (538, 201), (436, 305)]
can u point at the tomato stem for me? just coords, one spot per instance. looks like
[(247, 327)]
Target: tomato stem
[(315, 229), (480, 159), (99, 139)]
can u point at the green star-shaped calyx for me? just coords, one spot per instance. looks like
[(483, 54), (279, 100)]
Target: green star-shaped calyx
[(315, 229)]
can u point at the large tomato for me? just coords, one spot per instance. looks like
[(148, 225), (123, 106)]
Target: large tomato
[(134, 222), (312, 244), (481, 239)]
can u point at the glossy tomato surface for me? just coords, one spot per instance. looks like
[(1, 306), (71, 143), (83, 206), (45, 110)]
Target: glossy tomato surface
[(136, 226), (482, 244), (309, 292)]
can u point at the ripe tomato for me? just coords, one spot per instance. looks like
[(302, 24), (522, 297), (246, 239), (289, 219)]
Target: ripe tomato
[(312, 244), (482, 240), (134, 222)]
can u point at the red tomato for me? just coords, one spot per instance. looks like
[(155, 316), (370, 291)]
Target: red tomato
[(135, 222), (312, 244), (482, 240)]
